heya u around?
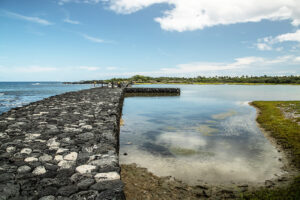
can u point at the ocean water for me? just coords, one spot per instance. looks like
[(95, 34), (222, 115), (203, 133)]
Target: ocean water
[(207, 134), (15, 94)]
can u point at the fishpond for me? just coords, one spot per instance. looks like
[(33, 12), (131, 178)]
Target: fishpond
[(207, 134)]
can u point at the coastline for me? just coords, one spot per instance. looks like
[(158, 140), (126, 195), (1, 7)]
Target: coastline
[(169, 185), (200, 83)]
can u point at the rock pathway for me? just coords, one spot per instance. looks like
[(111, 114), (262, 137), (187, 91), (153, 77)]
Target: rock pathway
[(63, 147)]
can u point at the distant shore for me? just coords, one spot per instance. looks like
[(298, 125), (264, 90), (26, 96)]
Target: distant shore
[(200, 80), (200, 83), (194, 83)]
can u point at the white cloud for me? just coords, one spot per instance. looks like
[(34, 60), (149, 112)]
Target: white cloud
[(26, 18), (92, 39), (201, 67), (95, 39), (267, 42), (67, 20), (111, 68), (240, 66), (263, 47), (187, 15), (130, 6), (34, 69), (295, 37), (89, 68), (297, 59)]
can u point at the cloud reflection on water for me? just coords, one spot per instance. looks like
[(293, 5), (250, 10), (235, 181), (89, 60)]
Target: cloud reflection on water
[(226, 148)]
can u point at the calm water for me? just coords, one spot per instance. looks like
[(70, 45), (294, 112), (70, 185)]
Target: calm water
[(209, 133), (14, 94)]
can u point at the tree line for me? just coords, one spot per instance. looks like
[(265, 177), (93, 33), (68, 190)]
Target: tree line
[(202, 79)]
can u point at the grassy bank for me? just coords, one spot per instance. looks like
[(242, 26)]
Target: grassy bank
[(281, 120), (285, 130)]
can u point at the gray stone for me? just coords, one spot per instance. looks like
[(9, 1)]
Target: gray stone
[(111, 194), (24, 169), (67, 190), (83, 169), (109, 176), (26, 151), (10, 149), (116, 185), (50, 197), (87, 195), (45, 158), (71, 156), (39, 170), (30, 159), (65, 164), (9, 191), (85, 183)]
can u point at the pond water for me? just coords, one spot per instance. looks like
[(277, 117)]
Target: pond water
[(207, 134)]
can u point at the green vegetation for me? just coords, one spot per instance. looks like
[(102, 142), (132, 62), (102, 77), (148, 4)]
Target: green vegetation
[(292, 192), (286, 131), (252, 80)]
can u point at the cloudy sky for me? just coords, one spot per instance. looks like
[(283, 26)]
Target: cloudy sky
[(68, 40)]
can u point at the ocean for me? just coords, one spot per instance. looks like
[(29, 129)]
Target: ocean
[(16, 94)]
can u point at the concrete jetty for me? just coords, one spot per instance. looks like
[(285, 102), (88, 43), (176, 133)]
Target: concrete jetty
[(63, 147)]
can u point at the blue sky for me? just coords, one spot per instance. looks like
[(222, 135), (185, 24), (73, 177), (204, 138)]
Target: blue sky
[(69, 40)]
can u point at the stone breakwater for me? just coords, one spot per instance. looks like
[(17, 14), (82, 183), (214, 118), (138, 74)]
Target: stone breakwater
[(173, 91), (63, 147)]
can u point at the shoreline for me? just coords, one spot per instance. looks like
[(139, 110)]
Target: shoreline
[(207, 83), (210, 191), (195, 83)]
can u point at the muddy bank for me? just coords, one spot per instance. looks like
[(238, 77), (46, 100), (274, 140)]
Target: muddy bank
[(141, 184)]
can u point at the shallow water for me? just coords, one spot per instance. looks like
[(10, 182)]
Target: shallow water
[(15, 94), (208, 133)]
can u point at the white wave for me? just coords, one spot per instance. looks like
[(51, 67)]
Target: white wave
[(1, 94), (36, 84)]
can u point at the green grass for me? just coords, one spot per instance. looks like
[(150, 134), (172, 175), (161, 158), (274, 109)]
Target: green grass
[(287, 134), (285, 131)]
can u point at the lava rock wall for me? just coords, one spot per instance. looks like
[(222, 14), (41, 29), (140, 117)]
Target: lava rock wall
[(63, 147)]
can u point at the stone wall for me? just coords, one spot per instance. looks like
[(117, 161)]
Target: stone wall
[(63, 147), (153, 90), (66, 146)]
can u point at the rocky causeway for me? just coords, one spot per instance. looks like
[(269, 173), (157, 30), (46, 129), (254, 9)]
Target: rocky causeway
[(63, 147)]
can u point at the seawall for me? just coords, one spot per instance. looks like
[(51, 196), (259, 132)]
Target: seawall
[(173, 91), (64, 147)]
